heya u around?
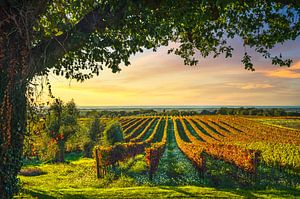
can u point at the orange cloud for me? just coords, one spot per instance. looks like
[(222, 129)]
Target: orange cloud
[(290, 73), (248, 86), (256, 86)]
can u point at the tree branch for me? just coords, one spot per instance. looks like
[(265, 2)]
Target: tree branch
[(48, 52)]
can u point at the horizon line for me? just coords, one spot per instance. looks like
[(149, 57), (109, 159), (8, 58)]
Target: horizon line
[(188, 105)]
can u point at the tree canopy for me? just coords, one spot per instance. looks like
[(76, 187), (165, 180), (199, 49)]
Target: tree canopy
[(78, 38)]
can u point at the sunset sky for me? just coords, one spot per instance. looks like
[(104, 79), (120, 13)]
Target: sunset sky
[(156, 78)]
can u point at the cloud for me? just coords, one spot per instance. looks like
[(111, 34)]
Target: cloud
[(289, 73), (256, 86), (249, 86)]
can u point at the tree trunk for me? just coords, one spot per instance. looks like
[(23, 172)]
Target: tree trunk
[(60, 157), (13, 84), (12, 127)]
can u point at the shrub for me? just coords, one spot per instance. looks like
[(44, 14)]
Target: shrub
[(113, 133)]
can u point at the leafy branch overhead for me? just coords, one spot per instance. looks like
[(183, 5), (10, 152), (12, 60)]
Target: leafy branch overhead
[(79, 38)]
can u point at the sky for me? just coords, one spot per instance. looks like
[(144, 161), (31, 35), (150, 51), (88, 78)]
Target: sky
[(156, 78)]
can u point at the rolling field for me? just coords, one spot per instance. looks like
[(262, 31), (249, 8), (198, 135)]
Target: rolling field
[(188, 156)]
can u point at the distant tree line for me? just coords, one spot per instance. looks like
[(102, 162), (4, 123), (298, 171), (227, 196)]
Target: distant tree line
[(178, 112), (220, 111), (256, 112), (112, 114)]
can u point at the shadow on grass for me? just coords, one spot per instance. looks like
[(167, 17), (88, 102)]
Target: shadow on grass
[(38, 194), (242, 192), (75, 196), (277, 193), (45, 195), (179, 190), (72, 156), (246, 193)]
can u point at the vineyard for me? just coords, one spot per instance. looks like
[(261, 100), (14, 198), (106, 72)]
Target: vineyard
[(248, 150)]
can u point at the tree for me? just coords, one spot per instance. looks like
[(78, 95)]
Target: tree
[(96, 129), (77, 38), (113, 133), (95, 134), (62, 123)]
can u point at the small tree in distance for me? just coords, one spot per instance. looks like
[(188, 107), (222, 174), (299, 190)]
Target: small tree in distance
[(95, 134), (113, 133), (62, 123)]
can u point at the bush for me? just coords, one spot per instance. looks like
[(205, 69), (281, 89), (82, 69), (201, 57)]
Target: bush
[(112, 134)]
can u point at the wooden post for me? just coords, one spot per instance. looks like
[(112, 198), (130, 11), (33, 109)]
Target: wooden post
[(97, 164)]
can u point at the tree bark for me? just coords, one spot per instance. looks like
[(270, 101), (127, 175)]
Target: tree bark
[(13, 84), (12, 127), (60, 157)]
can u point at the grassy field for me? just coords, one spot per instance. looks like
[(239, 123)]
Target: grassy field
[(77, 179)]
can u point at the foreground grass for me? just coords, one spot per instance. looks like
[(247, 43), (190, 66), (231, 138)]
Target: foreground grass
[(155, 192), (77, 180)]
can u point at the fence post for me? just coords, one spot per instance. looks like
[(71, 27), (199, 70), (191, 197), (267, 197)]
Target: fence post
[(97, 164)]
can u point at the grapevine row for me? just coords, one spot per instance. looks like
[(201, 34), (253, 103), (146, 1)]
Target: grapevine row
[(192, 151), (208, 130), (134, 132), (140, 137), (132, 125), (129, 122), (155, 132), (268, 133), (242, 158), (202, 135), (156, 150)]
